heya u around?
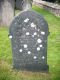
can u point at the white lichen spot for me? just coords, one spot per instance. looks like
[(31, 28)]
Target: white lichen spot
[(38, 48), (29, 52), (43, 33), (26, 20), (39, 40), (20, 50), (10, 36), (43, 57), (35, 57), (35, 33), (27, 33), (25, 45), (41, 45), (33, 25)]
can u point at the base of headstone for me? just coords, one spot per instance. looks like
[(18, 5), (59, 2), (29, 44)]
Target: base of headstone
[(32, 67)]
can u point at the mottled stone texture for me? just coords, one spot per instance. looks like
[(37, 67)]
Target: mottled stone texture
[(27, 4), (19, 4), (7, 11), (0, 12), (23, 4), (28, 34)]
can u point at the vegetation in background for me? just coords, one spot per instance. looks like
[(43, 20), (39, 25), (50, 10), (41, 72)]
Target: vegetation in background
[(58, 1), (6, 71)]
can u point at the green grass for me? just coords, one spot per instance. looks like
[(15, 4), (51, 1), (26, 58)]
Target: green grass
[(7, 73)]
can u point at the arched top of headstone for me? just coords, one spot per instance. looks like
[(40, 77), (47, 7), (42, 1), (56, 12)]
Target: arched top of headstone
[(28, 18)]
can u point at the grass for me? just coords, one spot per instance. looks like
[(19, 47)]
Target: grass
[(7, 73)]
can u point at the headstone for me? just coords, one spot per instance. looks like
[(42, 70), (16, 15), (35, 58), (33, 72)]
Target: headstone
[(23, 4), (19, 4), (28, 33), (26, 4), (0, 12), (7, 11)]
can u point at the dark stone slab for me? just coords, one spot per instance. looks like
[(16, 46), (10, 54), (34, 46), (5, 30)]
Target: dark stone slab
[(18, 4), (28, 33), (22, 4)]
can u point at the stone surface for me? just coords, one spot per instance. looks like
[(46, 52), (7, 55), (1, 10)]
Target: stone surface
[(19, 4), (24, 4), (0, 12), (27, 4), (6, 11), (28, 34)]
